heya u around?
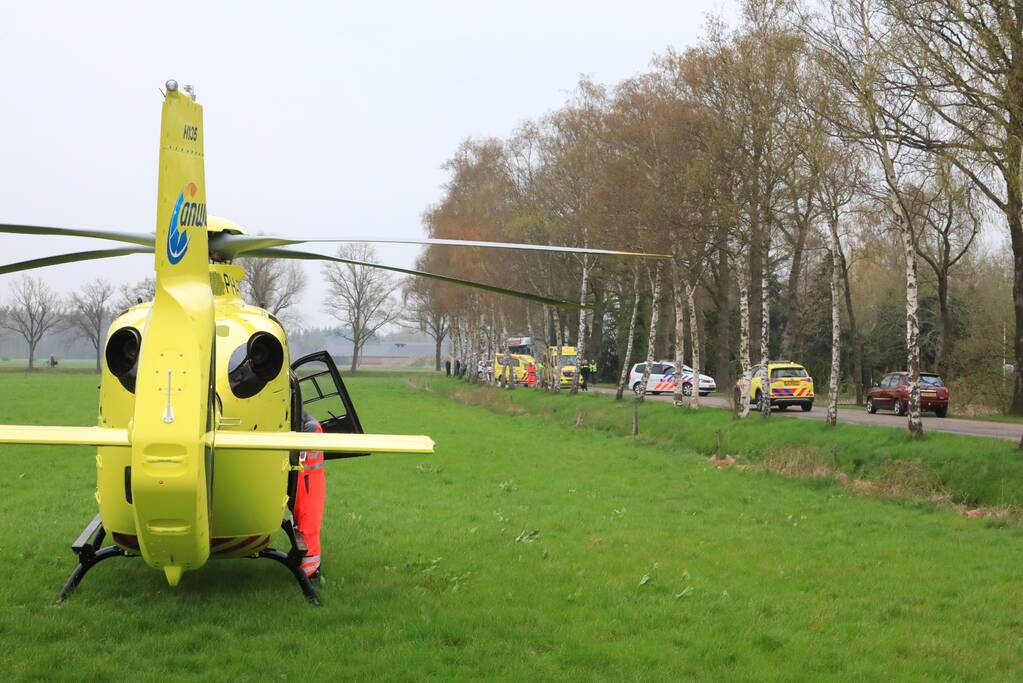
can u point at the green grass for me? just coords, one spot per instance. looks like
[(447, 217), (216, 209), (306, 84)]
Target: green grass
[(523, 549), (63, 365), (973, 470)]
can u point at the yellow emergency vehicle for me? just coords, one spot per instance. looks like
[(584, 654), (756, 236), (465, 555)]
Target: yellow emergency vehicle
[(569, 363), (517, 355), (789, 384)]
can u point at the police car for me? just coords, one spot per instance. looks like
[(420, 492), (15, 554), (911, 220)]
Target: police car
[(662, 379)]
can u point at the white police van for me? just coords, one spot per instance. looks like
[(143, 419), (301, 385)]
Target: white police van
[(663, 378)]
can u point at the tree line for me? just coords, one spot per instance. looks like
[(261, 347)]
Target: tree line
[(363, 301), (836, 184)]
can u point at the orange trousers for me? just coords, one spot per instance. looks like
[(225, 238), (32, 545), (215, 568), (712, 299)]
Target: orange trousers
[(309, 499)]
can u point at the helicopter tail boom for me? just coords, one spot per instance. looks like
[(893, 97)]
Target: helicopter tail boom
[(171, 454)]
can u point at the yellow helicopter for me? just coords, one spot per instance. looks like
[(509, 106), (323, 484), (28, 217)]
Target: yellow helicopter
[(200, 405)]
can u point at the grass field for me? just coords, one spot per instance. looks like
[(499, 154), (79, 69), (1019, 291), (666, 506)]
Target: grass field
[(966, 470), (524, 549), (64, 365)]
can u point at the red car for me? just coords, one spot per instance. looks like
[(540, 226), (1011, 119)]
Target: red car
[(893, 393)]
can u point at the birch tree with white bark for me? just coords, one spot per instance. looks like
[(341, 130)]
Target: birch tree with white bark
[(742, 276), (854, 46), (630, 339), (656, 280)]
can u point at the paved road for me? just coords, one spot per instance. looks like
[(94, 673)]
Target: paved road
[(995, 430)]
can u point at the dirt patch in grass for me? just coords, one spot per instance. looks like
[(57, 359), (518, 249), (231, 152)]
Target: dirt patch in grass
[(723, 461)]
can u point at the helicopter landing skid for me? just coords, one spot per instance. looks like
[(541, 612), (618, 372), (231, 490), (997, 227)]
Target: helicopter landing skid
[(293, 560), (90, 553)]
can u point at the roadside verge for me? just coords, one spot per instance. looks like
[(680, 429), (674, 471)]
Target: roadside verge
[(978, 476)]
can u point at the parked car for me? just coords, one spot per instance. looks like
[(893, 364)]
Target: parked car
[(662, 379), (789, 384), (892, 393)]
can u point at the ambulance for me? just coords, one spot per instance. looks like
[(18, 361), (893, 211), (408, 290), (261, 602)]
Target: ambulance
[(517, 354), (569, 361)]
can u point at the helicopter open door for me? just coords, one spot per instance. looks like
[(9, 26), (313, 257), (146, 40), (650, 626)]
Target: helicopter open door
[(324, 396)]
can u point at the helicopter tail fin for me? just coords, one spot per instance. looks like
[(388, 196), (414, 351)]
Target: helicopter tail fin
[(182, 250), (171, 452)]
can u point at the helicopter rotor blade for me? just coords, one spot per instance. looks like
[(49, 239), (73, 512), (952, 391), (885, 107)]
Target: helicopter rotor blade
[(72, 258), (310, 256), (524, 246), (117, 236), (228, 246)]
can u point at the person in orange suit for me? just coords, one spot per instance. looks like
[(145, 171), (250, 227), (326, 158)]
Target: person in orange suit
[(309, 499), (531, 375)]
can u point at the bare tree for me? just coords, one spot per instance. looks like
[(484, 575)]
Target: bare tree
[(765, 320), (964, 62), (631, 337), (273, 284), (134, 294), (742, 276), (949, 219), (651, 349), (89, 313), (34, 311), (580, 344), (836, 319), (694, 335), (425, 311), (854, 48), (679, 299), (360, 297)]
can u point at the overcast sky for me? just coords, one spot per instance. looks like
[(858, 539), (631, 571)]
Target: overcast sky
[(321, 120)]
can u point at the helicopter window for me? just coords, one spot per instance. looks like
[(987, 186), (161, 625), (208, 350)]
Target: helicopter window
[(324, 395), (325, 408)]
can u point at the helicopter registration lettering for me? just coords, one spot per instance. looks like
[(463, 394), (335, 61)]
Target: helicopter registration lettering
[(231, 285), (191, 133)]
